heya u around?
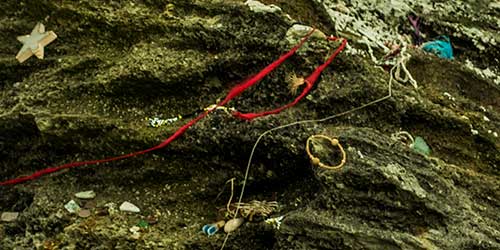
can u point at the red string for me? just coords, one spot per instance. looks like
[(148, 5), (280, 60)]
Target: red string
[(310, 80), (241, 87), (42, 172), (233, 93)]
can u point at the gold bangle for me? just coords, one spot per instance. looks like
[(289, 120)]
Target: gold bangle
[(317, 161)]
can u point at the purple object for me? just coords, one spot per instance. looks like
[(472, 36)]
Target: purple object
[(414, 20)]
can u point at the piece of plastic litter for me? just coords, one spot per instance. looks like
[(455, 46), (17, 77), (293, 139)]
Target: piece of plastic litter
[(421, 146), (210, 229), (441, 47)]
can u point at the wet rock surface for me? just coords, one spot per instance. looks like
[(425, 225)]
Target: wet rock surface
[(116, 63)]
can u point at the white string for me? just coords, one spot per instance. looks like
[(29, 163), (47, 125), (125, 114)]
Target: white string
[(389, 95)]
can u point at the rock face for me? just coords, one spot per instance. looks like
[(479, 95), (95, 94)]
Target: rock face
[(116, 63), (394, 198)]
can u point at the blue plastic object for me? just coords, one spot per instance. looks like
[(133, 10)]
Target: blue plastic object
[(210, 229), (440, 47)]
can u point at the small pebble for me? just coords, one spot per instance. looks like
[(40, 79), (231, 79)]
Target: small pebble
[(135, 236), (129, 207), (275, 222), (233, 224), (84, 213), (85, 195), (135, 229), (9, 216), (17, 85)]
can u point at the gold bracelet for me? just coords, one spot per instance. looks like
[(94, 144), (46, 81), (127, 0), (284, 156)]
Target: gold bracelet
[(317, 161)]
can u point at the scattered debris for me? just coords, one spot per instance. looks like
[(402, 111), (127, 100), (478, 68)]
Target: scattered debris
[(441, 47), (360, 154), (34, 43), (474, 131), (72, 207), (85, 195), (494, 133), (233, 224), (156, 122), (9, 216), (211, 229), (275, 222), (449, 96), (129, 207)]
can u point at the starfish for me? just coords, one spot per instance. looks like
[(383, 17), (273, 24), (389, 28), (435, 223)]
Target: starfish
[(33, 43)]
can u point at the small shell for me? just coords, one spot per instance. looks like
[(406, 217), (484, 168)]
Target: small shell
[(232, 224)]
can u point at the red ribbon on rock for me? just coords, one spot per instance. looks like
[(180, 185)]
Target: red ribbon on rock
[(235, 91)]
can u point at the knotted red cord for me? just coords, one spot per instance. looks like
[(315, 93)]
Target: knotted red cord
[(233, 93)]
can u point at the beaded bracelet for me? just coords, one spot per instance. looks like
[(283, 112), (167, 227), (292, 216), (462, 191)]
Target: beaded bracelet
[(317, 161)]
